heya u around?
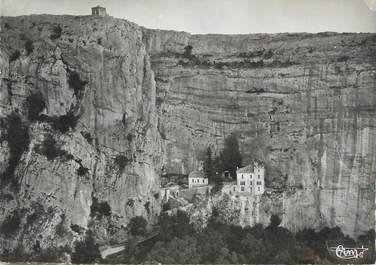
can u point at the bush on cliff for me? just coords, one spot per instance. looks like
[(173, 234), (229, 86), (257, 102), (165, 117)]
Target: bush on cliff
[(35, 103), (65, 122), (51, 149), (11, 224), (29, 46), (18, 140), (137, 226), (121, 161), (14, 56), (75, 82), (99, 209), (56, 32), (86, 251)]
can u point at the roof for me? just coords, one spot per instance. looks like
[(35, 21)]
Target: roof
[(99, 7), (196, 174), (246, 169), (250, 167)]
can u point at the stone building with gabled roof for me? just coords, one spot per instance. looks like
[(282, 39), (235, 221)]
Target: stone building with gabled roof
[(251, 178), (197, 178)]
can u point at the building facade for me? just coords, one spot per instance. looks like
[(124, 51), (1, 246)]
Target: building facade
[(99, 11), (251, 179), (197, 179)]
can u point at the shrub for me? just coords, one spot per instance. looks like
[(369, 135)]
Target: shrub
[(14, 56), (65, 122), (86, 251), (147, 207), (6, 25), (35, 103), (76, 228), (75, 82), (137, 226), (275, 221), (82, 171), (121, 161), (61, 231), (99, 209), (56, 32), (29, 47), (188, 51), (51, 149), (11, 224), (130, 203), (343, 58), (18, 139)]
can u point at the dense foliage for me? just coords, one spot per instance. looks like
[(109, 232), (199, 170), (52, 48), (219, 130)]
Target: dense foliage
[(99, 209), (14, 56), (65, 122), (86, 251), (228, 160), (56, 32), (29, 46), (11, 223), (17, 136), (137, 226), (75, 82), (35, 103), (220, 243), (51, 149)]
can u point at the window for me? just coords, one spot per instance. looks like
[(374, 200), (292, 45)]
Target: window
[(251, 183), (234, 188), (193, 181), (242, 182), (258, 176), (242, 188), (242, 176), (203, 180), (259, 189), (258, 182)]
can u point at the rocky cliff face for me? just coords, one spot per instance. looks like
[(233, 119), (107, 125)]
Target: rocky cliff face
[(303, 103), (92, 155), (92, 107)]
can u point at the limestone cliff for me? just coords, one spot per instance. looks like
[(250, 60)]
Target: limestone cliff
[(303, 103), (113, 102), (93, 153)]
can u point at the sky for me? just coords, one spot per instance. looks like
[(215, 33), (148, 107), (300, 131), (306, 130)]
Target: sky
[(219, 16)]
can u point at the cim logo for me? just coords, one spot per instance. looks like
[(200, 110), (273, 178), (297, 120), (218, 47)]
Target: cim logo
[(345, 253)]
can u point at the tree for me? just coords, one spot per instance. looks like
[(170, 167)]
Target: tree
[(253, 249), (35, 103), (275, 221), (230, 155), (174, 226), (209, 165), (188, 51), (177, 251), (86, 251), (212, 243), (29, 47), (137, 226)]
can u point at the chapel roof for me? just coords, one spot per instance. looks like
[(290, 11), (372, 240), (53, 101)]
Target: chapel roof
[(196, 174)]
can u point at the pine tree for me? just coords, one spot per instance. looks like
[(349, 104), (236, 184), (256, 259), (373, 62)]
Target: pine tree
[(208, 165), (230, 156)]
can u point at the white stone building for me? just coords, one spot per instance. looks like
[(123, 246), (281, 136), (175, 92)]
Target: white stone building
[(170, 190), (251, 179), (197, 179)]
